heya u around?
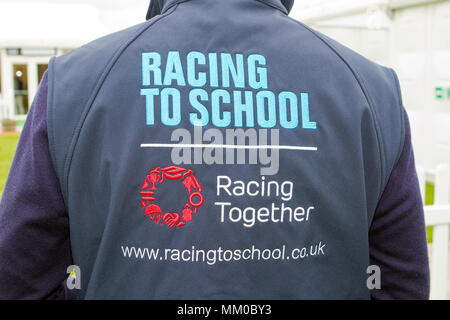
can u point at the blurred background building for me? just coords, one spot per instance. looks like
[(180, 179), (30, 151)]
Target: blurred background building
[(30, 34), (412, 36)]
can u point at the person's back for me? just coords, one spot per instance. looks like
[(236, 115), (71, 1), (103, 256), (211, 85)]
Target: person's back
[(305, 134)]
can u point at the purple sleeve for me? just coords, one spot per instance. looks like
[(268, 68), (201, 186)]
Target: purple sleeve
[(34, 226), (397, 236)]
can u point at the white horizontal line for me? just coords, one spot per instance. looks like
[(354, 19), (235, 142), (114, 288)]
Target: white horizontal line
[(225, 146)]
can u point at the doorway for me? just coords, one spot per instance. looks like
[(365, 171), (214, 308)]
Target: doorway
[(25, 75), (20, 75)]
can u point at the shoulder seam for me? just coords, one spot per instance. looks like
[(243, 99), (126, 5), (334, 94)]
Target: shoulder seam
[(50, 104), (402, 116), (99, 83), (366, 95)]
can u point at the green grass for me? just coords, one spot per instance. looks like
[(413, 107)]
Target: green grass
[(8, 146)]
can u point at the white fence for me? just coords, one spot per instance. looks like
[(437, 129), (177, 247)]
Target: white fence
[(438, 216), (4, 111)]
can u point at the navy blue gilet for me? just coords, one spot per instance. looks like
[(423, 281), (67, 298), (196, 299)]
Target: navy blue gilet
[(222, 150)]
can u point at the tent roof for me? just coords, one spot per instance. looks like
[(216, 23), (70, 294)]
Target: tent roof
[(48, 25)]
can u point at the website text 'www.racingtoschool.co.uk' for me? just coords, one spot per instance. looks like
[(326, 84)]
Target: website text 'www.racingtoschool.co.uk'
[(220, 255)]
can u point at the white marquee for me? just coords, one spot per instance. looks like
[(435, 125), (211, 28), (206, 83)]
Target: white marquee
[(48, 25)]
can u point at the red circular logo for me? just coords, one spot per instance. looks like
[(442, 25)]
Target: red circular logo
[(194, 198)]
